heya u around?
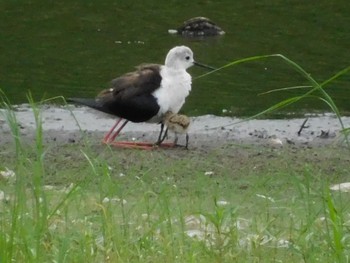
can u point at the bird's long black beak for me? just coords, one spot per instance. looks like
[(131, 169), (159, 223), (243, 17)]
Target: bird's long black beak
[(203, 66)]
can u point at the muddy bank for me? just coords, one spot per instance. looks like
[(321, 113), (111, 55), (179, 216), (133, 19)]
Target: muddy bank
[(69, 123)]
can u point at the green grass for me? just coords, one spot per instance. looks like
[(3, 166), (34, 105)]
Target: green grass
[(316, 89), (109, 205), (89, 203)]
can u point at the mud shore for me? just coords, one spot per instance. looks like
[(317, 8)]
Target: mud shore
[(68, 124)]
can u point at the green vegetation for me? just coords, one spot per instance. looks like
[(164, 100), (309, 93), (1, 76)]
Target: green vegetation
[(82, 202), (317, 90), (85, 202)]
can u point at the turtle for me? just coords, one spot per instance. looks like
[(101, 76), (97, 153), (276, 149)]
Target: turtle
[(198, 27)]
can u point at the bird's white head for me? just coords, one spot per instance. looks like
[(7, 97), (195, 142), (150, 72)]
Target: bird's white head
[(180, 57)]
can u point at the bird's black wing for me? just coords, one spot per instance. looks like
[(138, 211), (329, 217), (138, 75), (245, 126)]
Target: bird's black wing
[(130, 96), (144, 80)]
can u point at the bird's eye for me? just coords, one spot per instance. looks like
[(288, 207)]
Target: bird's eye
[(187, 58)]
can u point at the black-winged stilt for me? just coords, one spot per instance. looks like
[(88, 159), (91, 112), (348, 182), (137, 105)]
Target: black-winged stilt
[(146, 94)]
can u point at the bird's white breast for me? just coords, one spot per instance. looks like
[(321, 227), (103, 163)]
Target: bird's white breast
[(175, 87)]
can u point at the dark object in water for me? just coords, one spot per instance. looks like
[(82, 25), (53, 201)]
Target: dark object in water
[(198, 27)]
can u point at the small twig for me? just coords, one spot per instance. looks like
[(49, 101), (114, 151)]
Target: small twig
[(303, 126)]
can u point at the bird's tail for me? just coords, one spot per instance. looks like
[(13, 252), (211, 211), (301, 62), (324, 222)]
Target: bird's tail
[(92, 103)]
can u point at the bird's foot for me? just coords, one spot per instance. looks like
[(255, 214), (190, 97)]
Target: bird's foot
[(131, 145), (139, 145)]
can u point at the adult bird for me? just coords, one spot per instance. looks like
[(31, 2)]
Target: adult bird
[(146, 94)]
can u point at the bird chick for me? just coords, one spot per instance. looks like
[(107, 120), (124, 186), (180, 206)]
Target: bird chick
[(177, 123)]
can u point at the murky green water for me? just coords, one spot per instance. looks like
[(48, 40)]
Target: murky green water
[(73, 48)]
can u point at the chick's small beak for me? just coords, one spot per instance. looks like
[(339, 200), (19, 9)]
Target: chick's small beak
[(203, 66)]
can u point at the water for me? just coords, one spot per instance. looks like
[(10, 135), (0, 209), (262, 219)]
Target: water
[(74, 48)]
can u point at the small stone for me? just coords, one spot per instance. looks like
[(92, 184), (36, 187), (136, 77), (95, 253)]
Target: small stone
[(343, 187), (276, 142), (105, 200), (222, 203), (7, 174)]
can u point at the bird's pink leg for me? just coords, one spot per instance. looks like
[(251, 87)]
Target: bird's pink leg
[(109, 138), (141, 145), (118, 131), (106, 138)]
